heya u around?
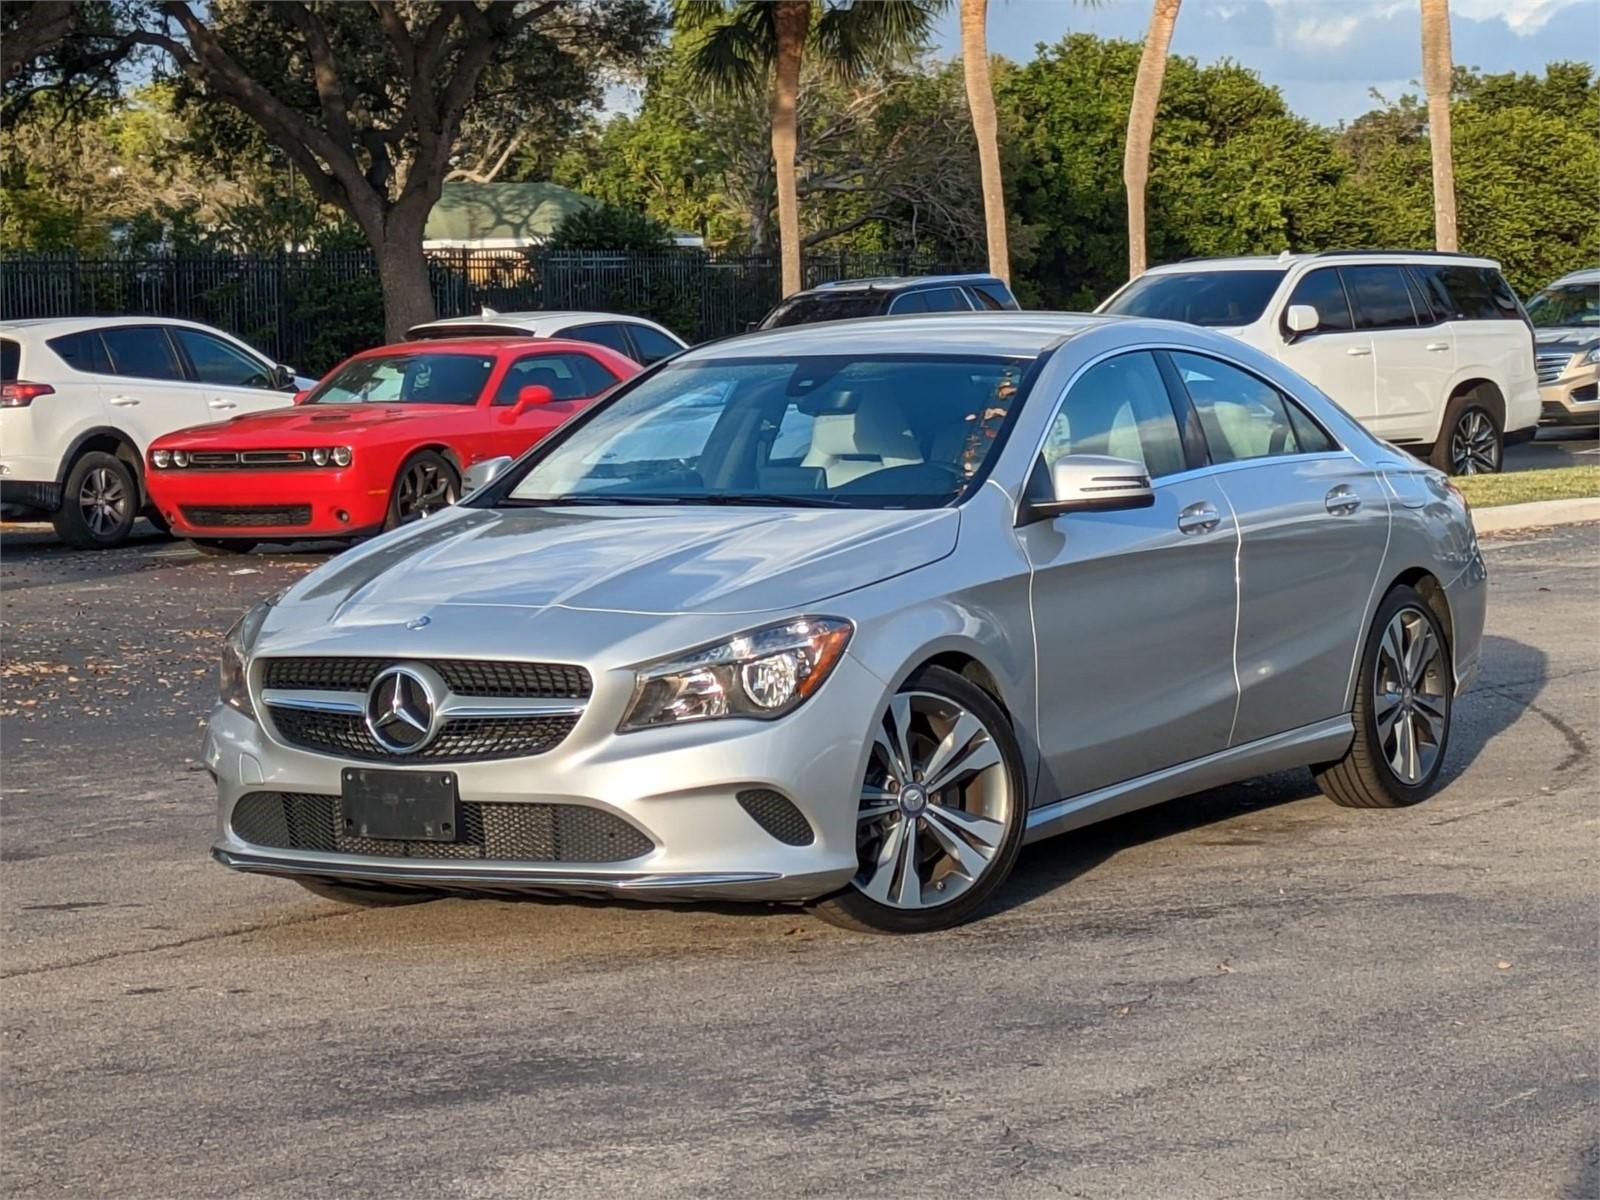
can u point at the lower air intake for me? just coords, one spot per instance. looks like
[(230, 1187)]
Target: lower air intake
[(777, 814)]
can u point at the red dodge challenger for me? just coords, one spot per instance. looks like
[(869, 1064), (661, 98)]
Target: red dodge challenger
[(382, 440)]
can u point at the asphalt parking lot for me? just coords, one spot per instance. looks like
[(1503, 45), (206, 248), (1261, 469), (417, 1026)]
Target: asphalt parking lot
[(1248, 992)]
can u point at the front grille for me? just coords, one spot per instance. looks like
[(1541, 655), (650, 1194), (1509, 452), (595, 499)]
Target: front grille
[(460, 740), (1550, 366), (227, 460), (550, 833), (247, 518), (777, 814), (464, 676)]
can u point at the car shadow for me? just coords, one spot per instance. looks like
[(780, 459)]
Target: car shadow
[(1479, 716)]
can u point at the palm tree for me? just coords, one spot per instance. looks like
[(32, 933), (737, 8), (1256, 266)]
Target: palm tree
[(985, 127), (1142, 125), (741, 42), (1437, 73)]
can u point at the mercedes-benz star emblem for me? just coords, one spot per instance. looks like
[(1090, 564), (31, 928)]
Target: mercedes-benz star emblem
[(402, 709)]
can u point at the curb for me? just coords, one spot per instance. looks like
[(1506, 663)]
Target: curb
[(1535, 514)]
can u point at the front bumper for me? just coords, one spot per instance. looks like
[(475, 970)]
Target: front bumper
[(679, 786), (1573, 399), (323, 502)]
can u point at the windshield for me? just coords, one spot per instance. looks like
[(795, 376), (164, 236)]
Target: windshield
[(890, 431), (1568, 304), (825, 306), (1199, 297), (419, 378)]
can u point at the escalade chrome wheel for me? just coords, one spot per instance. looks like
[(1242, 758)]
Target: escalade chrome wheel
[(941, 814)]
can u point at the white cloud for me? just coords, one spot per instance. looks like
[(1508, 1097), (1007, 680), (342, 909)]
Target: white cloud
[(1524, 17), (1322, 32)]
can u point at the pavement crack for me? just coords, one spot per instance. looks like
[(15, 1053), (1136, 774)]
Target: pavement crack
[(214, 936)]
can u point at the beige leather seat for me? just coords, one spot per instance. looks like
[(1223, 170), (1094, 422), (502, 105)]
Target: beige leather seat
[(849, 445)]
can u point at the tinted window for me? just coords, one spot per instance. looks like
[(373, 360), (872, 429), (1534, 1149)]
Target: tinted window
[(909, 302), (419, 378), (1379, 297), (810, 307), (10, 360), (1466, 293), (609, 336), (568, 376), (856, 431), (947, 300), (1569, 304), (993, 295), (82, 352), (1199, 297), (1243, 417), (652, 345), (141, 351), (1323, 291), (1120, 407), (215, 361)]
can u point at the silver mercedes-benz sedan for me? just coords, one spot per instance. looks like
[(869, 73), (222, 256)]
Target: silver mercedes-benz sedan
[(846, 614)]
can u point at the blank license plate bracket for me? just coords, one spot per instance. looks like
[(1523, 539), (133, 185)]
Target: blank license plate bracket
[(400, 806)]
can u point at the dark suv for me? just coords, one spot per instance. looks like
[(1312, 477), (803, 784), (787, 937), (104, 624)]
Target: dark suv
[(891, 295)]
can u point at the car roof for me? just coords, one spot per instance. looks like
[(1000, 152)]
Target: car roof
[(893, 283), (532, 322), (510, 344), (51, 326), (1005, 333), (1587, 275), (1286, 260)]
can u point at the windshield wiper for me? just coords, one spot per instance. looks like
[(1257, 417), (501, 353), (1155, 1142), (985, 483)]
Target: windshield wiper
[(766, 500)]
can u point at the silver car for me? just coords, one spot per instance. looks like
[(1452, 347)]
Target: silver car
[(846, 614)]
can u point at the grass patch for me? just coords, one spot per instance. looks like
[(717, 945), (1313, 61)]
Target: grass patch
[(1554, 483)]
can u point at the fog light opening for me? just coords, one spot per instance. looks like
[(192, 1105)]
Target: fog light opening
[(342, 516)]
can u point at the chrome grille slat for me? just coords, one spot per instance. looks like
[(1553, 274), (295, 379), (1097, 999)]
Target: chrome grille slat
[(1549, 365)]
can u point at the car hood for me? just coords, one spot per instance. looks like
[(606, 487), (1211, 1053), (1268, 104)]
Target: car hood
[(656, 561), (303, 424), (1573, 338)]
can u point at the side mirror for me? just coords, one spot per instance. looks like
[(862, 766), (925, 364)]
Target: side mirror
[(481, 474), (281, 378), (1092, 483), (531, 396), (1302, 318)]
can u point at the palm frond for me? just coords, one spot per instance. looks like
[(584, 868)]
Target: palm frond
[(852, 36), (731, 45)]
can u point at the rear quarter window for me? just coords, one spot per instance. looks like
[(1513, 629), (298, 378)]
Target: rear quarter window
[(1467, 293), (82, 352), (10, 360)]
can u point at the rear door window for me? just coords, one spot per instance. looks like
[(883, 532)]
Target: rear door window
[(10, 360), (947, 300), (82, 352), (1245, 417), (1379, 297), (1324, 291), (994, 296), (909, 302), (608, 334), (141, 352)]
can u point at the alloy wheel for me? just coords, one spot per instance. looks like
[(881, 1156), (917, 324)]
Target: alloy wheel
[(1474, 448), (425, 488), (935, 806), (103, 500), (1409, 700)]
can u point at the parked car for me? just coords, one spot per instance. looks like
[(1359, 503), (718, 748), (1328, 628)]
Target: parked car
[(1432, 352), (643, 341), (1566, 316), (81, 398), (891, 296), (927, 589), (383, 440)]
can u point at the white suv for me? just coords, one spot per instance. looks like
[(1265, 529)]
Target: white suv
[(1432, 352), (82, 397)]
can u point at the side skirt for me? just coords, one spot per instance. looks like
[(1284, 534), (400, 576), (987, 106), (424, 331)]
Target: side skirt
[(1321, 742)]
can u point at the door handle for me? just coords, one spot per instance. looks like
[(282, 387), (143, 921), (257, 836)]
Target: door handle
[(1359, 351), (1437, 346), (1341, 500), (124, 401), (223, 404), (1202, 517)]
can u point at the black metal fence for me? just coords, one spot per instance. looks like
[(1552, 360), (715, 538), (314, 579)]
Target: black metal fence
[(312, 309)]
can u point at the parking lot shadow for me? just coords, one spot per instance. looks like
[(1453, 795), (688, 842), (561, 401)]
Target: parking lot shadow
[(1519, 672)]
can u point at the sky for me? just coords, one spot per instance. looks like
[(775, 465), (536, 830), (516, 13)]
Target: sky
[(1325, 55)]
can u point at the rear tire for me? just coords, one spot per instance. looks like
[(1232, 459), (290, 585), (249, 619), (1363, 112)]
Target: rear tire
[(1470, 440), (363, 895), (949, 822), (1402, 711), (223, 547), (99, 503)]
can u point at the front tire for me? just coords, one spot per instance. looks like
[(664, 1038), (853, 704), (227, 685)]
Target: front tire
[(425, 484), (1470, 440), (365, 895), (99, 503), (942, 813), (1402, 710)]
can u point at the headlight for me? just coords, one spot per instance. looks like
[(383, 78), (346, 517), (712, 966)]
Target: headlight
[(763, 674), (1592, 358), (233, 682), (180, 458), (320, 456), (342, 456), (161, 458)]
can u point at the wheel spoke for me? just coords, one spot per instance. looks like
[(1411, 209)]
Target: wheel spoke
[(971, 859), (881, 873), (1392, 649), (982, 756), (899, 720), (874, 812), (955, 742), (1384, 711), (909, 892)]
